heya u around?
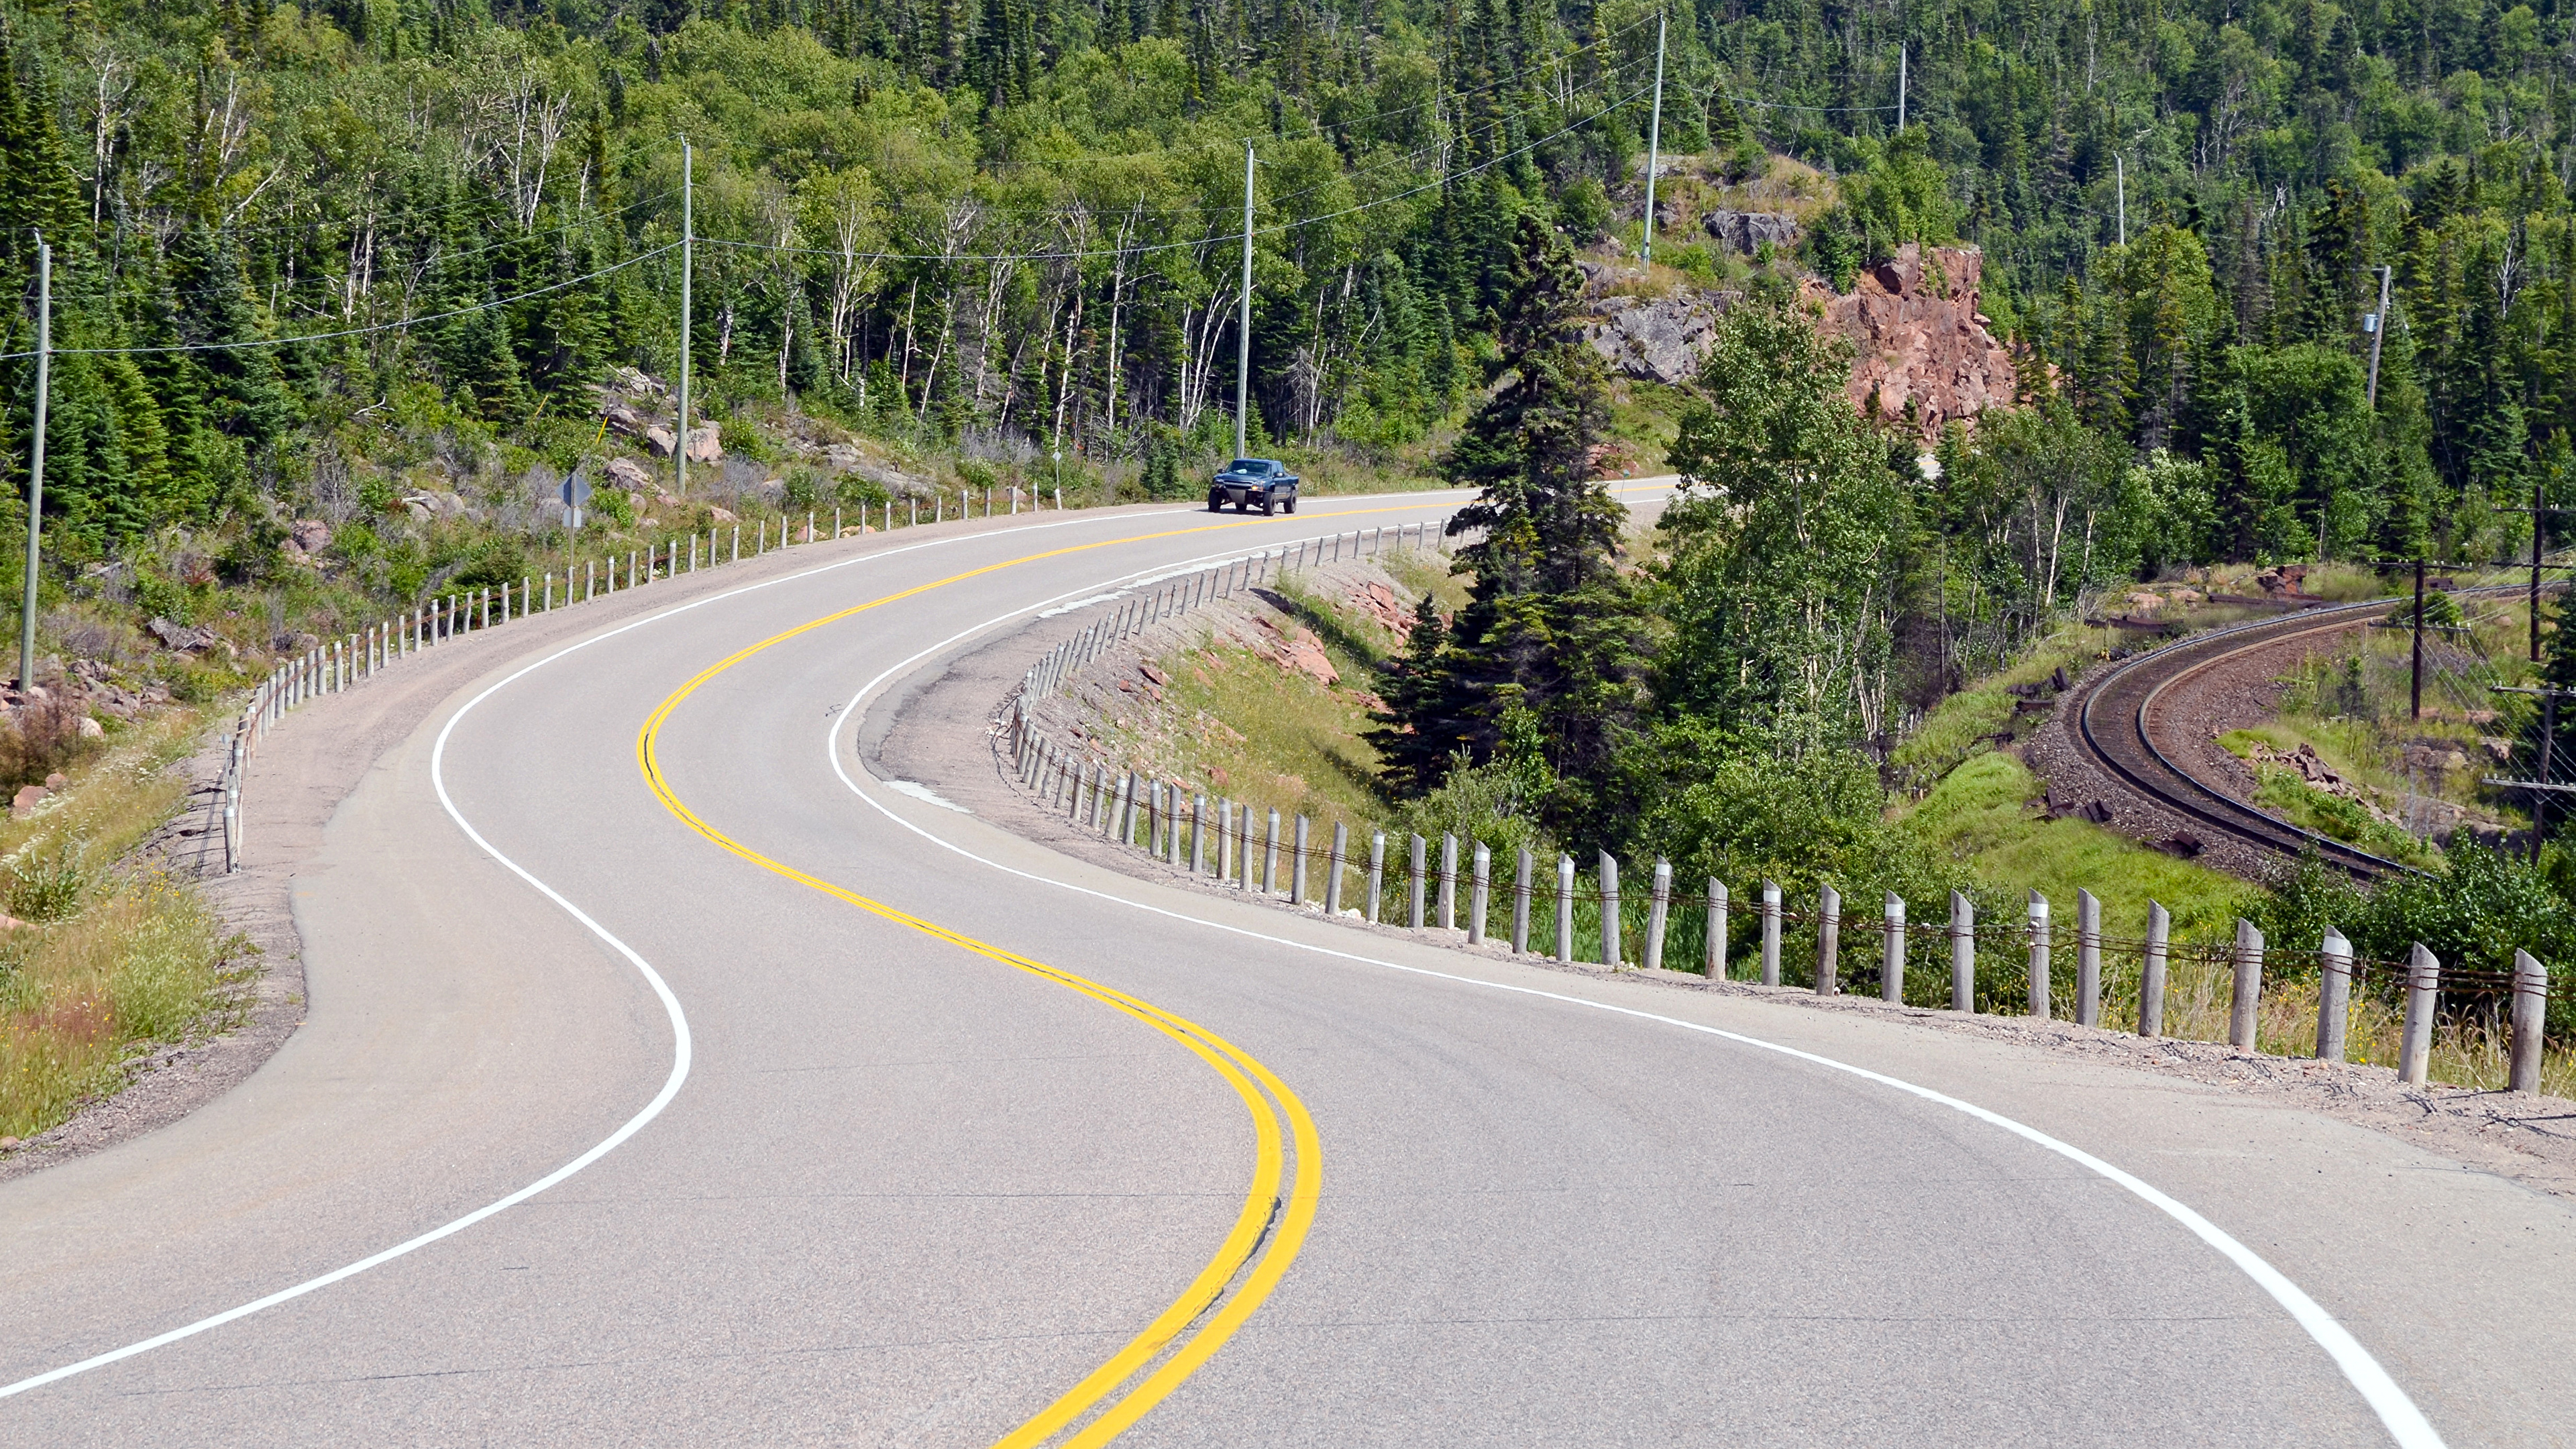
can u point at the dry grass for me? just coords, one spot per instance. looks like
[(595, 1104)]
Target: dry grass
[(113, 960), (2198, 992)]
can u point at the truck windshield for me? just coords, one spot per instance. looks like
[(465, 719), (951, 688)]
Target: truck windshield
[(1257, 466)]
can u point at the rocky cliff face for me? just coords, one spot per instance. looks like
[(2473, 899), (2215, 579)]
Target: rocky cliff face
[(1920, 337), (1912, 319), (1663, 338)]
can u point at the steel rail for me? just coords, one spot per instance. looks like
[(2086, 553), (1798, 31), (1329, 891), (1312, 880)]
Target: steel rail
[(2187, 794)]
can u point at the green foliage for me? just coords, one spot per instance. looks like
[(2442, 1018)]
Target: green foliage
[(2472, 916), (1781, 548)]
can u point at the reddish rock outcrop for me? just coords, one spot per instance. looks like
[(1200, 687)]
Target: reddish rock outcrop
[(1920, 338)]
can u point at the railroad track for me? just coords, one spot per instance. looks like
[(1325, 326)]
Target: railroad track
[(2116, 726)]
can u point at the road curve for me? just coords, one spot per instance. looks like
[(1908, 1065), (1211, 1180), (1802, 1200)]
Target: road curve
[(934, 1123)]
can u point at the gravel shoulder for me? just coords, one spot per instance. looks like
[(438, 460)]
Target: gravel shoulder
[(309, 763)]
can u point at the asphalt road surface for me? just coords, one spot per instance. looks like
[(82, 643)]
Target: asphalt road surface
[(854, 1118)]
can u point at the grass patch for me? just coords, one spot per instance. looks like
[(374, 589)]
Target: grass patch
[(1249, 729), (113, 962), (1982, 816)]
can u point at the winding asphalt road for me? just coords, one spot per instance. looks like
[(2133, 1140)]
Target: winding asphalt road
[(857, 1119)]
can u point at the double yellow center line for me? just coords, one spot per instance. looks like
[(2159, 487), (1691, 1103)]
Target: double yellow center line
[(1266, 1234)]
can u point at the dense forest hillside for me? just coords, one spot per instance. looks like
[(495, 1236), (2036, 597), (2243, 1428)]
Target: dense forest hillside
[(309, 261)]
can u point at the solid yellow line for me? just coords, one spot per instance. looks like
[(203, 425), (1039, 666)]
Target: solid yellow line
[(1219, 1054)]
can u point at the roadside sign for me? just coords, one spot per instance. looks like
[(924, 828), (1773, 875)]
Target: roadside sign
[(576, 492)]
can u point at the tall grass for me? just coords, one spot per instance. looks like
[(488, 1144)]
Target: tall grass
[(111, 959)]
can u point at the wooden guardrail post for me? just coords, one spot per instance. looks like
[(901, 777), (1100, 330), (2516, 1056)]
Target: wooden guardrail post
[(1297, 871), (1565, 909), (1270, 855), (1521, 872), (1829, 940), (1608, 880), (1413, 892), (2039, 954), (1891, 958), (1377, 873), (2423, 992), (2529, 1014), (1481, 899), (1333, 878), (1658, 903), (1198, 834), (2248, 998), (1448, 880), (1963, 953), (2334, 994), (2088, 959), (1713, 960), (2151, 971), (1770, 933)]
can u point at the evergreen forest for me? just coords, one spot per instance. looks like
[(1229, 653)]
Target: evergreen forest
[(305, 260)]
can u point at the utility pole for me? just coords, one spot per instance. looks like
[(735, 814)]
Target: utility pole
[(36, 469), (2539, 511), (688, 226), (1243, 314), (1654, 147), (2377, 324), (1900, 87), (2541, 789), (2120, 181)]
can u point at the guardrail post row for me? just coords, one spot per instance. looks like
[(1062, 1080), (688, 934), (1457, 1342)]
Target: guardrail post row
[(1198, 834), (2039, 955), (1270, 856), (1377, 873), (1829, 940), (1891, 961), (1963, 953), (1565, 909), (2151, 971), (1413, 884), (2248, 997), (1659, 904), (2529, 1013), (1608, 880), (2423, 992), (1448, 881), (1770, 933), (1333, 879), (1297, 871), (1480, 900), (1713, 959), (1521, 873), (2088, 959), (2334, 994)]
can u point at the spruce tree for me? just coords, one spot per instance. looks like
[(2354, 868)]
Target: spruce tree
[(1549, 631)]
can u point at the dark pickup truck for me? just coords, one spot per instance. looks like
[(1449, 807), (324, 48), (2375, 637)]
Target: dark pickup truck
[(1247, 481)]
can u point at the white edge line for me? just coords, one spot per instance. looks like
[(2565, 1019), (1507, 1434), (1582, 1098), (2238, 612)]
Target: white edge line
[(670, 1003), (2397, 1412)]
